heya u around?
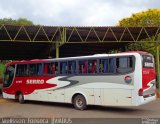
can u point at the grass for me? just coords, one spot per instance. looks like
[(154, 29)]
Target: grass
[(2, 67)]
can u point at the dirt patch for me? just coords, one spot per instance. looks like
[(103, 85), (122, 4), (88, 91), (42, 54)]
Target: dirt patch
[(1, 80), (1, 83), (158, 93)]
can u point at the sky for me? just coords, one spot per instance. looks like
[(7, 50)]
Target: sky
[(74, 12)]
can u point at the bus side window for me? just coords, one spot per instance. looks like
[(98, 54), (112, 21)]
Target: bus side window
[(83, 67), (40, 69), (124, 64), (63, 67), (33, 70), (92, 66), (131, 61), (100, 66), (71, 67), (18, 70), (52, 66), (45, 69), (80, 67), (103, 67), (111, 65), (21, 70), (56, 67)]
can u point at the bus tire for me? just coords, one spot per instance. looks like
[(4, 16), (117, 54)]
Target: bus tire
[(21, 98), (79, 102)]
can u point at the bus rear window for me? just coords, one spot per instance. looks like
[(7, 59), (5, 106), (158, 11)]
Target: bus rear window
[(147, 61)]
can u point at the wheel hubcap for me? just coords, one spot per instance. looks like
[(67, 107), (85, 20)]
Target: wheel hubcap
[(79, 103)]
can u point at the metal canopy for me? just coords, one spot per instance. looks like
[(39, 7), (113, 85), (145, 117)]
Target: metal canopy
[(29, 42)]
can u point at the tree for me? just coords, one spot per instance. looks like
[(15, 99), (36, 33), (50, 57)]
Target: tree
[(147, 18), (20, 21), (150, 17), (9, 21)]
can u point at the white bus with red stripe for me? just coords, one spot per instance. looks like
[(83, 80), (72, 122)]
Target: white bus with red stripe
[(122, 79)]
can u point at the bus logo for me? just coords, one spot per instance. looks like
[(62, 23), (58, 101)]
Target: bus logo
[(35, 81)]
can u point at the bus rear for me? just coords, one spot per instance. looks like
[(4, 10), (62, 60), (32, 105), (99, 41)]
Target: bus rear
[(148, 87)]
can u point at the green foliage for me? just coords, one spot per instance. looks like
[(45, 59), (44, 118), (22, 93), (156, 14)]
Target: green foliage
[(20, 21), (147, 18), (2, 67), (150, 17), (114, 51)]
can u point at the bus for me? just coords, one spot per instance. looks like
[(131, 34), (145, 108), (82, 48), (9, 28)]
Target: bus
[(121, 79)]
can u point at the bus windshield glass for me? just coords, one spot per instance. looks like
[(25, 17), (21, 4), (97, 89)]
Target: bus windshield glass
[(9, 75)]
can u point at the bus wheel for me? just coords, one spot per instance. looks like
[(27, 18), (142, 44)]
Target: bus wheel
[(79, 102), (21, 98)]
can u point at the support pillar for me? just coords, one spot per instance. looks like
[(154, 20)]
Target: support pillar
[(61, 40), (57, 52), (157, 62)]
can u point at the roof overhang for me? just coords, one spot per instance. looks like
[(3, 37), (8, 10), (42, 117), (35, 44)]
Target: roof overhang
[(30, 42)]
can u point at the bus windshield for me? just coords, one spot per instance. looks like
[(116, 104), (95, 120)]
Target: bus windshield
[(8, 76)]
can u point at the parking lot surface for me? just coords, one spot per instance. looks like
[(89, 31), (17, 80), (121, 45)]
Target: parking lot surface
[(11, 108)]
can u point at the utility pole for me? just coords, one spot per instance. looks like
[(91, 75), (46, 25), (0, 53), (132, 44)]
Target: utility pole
[(157, 61)]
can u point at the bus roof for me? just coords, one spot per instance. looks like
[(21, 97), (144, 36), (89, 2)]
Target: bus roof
[(140, 52), (27, 61), (78, 57)]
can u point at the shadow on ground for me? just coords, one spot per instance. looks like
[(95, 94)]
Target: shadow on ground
[(89, 107)]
